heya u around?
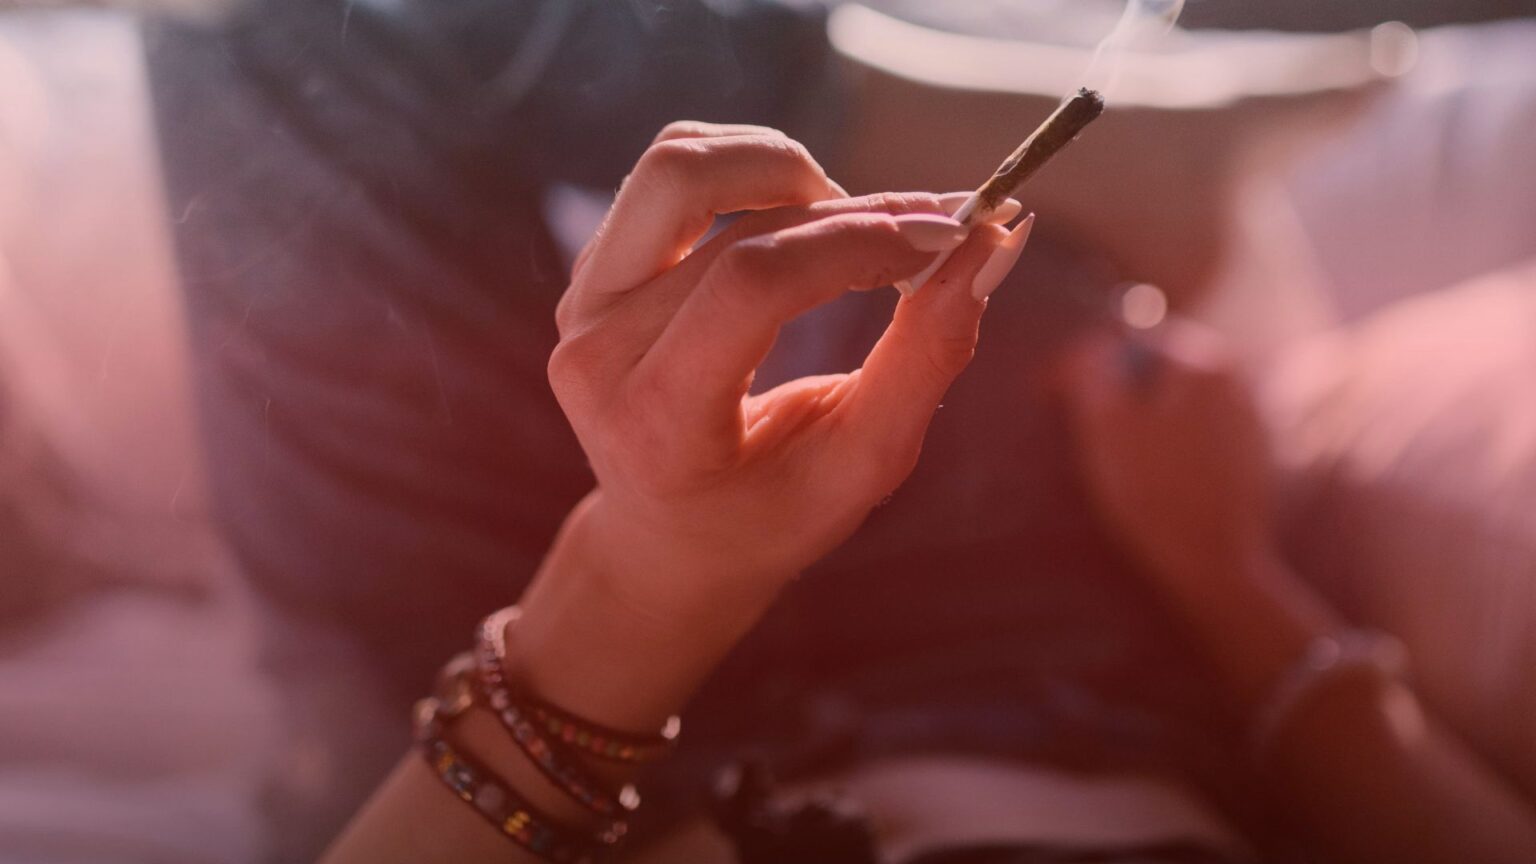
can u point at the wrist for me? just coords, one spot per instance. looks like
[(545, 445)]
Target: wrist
[(621, 626), (674, 571), (1253, 617)]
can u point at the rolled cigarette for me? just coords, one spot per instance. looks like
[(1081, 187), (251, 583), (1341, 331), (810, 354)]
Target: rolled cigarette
[(1051, 137)]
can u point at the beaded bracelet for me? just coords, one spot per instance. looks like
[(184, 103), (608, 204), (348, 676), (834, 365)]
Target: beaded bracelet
[(603, 743), (493, 798), (592, 739), (553, 759)]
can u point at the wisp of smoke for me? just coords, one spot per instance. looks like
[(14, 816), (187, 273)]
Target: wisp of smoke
[(1142, 22)]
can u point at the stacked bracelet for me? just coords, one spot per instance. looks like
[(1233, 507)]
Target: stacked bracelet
[(493, 799), (596, 741), (548, 753), (603, 743), (554, 740)]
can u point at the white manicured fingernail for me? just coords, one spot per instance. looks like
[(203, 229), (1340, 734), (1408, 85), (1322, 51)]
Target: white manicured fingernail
[(1010, 208), (927, 232), (951, 201), (1005, 212), (1003, 258)]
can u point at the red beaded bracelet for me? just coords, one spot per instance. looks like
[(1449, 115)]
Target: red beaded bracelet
[(554, 759), (492, 797), (592, 739)]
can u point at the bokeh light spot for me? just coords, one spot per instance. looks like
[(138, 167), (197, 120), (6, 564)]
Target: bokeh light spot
[(1143, 306), (1394, 49)]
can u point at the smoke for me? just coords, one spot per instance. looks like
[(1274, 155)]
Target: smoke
[(1142, 23)]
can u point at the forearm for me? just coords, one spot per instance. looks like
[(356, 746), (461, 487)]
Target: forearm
[(580, 643), (1357, 764), (1252, 619)]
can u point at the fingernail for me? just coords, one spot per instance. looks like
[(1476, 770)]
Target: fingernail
[(951, 201), (927, 232), (1010, 208), (1003, 258), (1005, 212)]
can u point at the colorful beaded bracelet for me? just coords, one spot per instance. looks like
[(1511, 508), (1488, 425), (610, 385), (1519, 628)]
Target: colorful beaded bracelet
[(592, 739), (495, 800), (554, 760)]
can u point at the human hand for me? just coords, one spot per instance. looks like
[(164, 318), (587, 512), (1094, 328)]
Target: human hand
[(1171, 451), (705, 493)]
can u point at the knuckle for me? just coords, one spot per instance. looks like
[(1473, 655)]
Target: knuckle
[(949, 354), (681, 129), (789, 148), (702, 129), (796, 154), (679, 162), (566, 314), (884, 202), (767, 131), (787, 155), (668, 162), (939, 357), (574, 360), (897, 203)]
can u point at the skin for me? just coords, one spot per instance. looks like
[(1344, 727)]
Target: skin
[(1177, 467), (709, 500)]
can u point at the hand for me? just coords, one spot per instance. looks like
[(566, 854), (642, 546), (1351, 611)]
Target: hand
[(659, 342), (1171, 451)]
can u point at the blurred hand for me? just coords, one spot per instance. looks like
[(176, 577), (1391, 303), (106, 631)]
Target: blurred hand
[(705, 493), (1171, 450)]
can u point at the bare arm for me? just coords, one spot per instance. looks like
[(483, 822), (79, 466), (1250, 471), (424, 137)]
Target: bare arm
[(587, 649), (708, 500), (1177, 466)]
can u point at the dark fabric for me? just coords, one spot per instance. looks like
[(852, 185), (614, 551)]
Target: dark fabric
[(372, 289), (370, 307), (356, 198), (356, 189)]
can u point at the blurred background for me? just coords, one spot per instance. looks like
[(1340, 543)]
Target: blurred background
[(213, 555)]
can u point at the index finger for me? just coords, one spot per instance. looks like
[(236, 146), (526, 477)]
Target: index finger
[(678, 130), (674, 194), (704, 360)]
